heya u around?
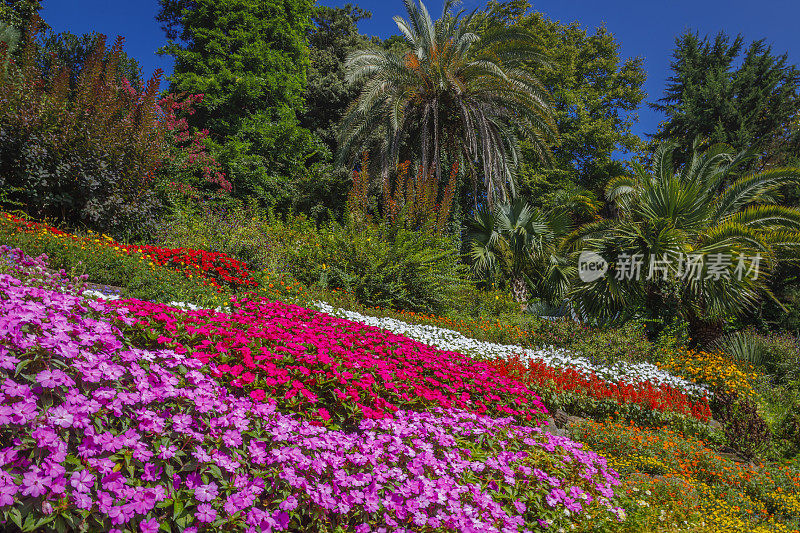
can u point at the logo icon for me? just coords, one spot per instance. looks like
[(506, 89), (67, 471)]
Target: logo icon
[(591, 266)]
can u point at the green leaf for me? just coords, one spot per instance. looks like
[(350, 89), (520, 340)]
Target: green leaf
[(177, 509), (16, 517), (216, 472)]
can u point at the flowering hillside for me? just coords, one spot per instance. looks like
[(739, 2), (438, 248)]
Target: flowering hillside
[(102, 434)]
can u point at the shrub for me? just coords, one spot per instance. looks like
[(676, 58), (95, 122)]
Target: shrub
[(788, 428), (381, 265), (86, 155), (744, 428), (241, 230), (775, 354), (626, 343), (89, 149)]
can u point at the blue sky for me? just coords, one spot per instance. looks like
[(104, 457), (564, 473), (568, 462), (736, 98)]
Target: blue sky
[(645, 28)]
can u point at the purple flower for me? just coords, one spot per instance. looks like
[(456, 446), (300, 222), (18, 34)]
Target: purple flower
[(149, 526), (232, 438), (33, 484), (206, 493), (167, 452), (82, 501), (152, 472), (205, 513), (81, 480), (7, 492), (282, 518), (289, 504)]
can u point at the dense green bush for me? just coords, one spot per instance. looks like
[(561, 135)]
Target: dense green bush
[(775, 354), (625, 343), (382, 265), (243, 231)]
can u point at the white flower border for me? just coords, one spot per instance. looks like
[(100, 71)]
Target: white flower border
[(454, 341)]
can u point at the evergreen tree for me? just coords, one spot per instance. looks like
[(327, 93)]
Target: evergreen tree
[(753, 105), (334, 35), (594, 96), (249, 59)]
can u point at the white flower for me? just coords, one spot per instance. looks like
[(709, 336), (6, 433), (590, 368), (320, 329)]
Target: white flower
[(445, 339)]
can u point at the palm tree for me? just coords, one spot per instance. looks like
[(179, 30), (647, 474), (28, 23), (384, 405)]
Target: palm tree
[(523, 244), (707, 209), (466, 98)]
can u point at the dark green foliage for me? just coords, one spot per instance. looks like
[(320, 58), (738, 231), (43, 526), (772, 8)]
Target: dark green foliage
[(777, 355), (787, 427), (593, 95), (321, 193), (327, 95), (749, 106), (381, 265), (712, 205), (249, 60)]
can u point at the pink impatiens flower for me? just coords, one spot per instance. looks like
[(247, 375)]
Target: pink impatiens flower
[(206, 493), (205, 513)]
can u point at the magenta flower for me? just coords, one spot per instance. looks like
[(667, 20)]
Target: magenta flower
[(7, 492), (81, 481), (33, 484), (205, 513), (149, 526), (289, 504), (206, 493)]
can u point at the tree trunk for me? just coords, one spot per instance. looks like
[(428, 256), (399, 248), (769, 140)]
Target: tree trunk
[(520, 291)]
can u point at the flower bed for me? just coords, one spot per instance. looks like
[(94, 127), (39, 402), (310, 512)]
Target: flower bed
[(646, 397), (327, 367), (633, 374), (100, 436), (219, 268), (216, 269), (715, 369), (701, 489)]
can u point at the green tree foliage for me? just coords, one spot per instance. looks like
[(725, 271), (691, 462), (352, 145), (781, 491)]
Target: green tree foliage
[(20, 13), (333, 36), (9, 40), (594, 96), (711, 205), (754, 105), (460, 97), (249, 60)]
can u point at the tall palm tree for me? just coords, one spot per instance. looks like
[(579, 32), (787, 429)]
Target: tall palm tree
[(708, 207), (466, 98)]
